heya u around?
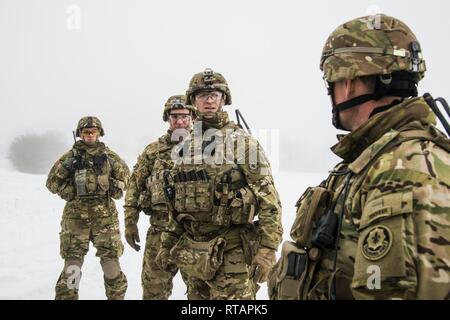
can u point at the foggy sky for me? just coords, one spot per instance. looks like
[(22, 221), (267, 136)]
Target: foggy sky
[(129, 56)]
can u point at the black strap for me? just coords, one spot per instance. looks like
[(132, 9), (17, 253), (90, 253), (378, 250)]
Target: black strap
[(344, 193), (444, 104), (432, 103), (355, 101), (398, 85), (239, 116)]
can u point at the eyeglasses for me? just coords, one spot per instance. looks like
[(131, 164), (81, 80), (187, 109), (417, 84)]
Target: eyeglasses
[(203, 96), (90, 132), (179, 116)]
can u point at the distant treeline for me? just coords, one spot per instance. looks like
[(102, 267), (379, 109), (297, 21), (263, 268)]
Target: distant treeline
[(35, 153)]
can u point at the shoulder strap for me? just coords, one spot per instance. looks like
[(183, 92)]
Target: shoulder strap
[(426, 135), (394, 138)]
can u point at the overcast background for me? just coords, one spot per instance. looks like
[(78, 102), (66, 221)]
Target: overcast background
[(123, 62), (127, 57)]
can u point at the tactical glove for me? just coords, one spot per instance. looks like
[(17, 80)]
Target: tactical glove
[(262, 264), (132, 236)]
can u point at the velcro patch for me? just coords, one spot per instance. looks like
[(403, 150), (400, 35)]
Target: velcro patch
[(377, 243), (387, 205)]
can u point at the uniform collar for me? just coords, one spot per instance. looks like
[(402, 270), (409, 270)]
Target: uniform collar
[(95, 148), (219, 120), (167, 138), (351, 145)]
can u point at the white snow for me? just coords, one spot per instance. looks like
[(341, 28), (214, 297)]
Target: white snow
[(29, 243)]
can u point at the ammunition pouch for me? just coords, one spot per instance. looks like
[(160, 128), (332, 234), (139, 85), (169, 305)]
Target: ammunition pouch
[(152, 198), (311, 207), (92, 178), (88, 184), (222, 200), (242, 207), (194, 196), (290, 274), (81, 182), (314, 229), (198, 259)]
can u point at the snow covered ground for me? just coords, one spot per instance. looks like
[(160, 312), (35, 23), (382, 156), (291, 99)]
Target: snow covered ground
[(29, 245)]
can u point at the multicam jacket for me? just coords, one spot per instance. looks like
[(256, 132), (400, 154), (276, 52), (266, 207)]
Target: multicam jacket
[(216, 195), (392, 199), (145, 190), (88, 172)]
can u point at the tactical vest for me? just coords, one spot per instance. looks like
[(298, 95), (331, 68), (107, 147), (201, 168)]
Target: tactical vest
[(152, 200), (91, 175), (307, 268), (214, 191)]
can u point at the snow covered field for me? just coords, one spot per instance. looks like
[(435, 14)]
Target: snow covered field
[(29, 245)]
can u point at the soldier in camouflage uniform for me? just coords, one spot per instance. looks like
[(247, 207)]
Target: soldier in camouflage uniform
[(389, 199), (145, 193), (87, 177), (212, 236)]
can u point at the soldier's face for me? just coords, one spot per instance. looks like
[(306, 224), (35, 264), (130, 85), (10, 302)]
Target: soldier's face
[(180, 119), (209, 102), (346, 90), (90, 135)]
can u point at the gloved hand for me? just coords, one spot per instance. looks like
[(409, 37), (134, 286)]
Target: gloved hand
[(163, 259), (262, 264), (132, 236)]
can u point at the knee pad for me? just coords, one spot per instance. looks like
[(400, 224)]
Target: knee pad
[(111, 268), (72, 272), (72, 263)]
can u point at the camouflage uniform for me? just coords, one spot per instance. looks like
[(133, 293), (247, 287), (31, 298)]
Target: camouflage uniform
[(390, 197), (145, 194), (212, 236), (87, 177)]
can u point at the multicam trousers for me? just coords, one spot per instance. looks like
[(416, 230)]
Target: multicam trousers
[(232, 280), (85, 221), (156, 283)]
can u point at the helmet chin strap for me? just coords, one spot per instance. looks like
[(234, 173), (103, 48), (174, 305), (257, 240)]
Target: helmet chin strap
[(398, 85), (337, 108)]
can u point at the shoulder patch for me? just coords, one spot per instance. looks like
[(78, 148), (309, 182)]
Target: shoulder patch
[(377, 243)]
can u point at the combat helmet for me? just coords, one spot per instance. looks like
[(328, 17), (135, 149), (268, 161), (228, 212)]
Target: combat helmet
[(176, 102), (89, 122), (377, 45), (208, 80)]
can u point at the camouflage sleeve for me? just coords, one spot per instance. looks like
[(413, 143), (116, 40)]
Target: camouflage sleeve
[(59, 178), (404, 238), (131, 202), (120, 174), (136, 186), (257, 171)]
